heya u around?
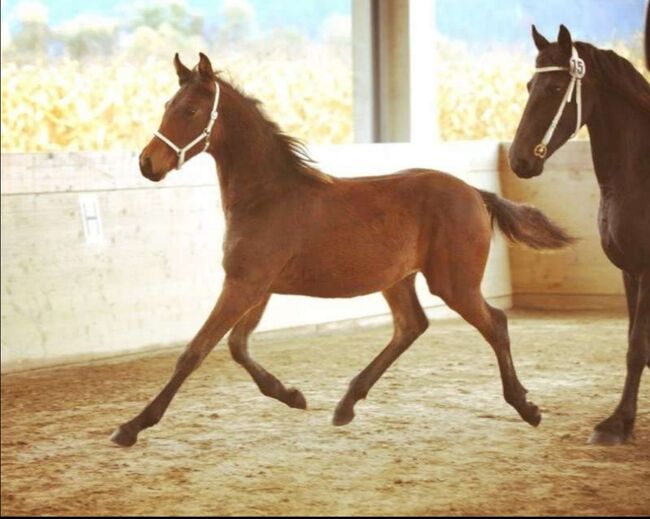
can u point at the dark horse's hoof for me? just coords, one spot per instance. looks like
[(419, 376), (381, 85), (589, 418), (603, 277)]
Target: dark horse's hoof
[(296, 399), (124, 438), (342, 416), (613, 431), (606, 438)]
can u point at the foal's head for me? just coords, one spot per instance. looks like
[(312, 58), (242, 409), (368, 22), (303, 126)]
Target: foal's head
[(534, 141), (186, 120)]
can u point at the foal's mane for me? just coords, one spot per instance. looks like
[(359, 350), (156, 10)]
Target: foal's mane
[(616, 73), (291, 151)]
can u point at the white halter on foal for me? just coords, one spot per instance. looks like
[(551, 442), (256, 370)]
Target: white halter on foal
[(205, 134), (577, 71)]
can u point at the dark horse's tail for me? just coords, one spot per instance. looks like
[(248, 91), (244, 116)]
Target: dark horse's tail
[(525, 224)]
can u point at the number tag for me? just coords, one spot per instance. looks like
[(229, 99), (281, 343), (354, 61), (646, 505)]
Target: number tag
[(577, 68)]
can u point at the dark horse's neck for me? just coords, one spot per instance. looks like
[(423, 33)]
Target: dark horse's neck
[(619, 126), (256, 162)]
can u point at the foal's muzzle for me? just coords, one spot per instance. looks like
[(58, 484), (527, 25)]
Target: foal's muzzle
[(146, 169)]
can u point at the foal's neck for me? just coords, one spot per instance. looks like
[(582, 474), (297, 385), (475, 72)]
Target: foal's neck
[(256, 163), (248, 173), (620, 142)]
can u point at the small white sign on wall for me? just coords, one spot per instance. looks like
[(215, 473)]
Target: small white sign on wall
[(91, 218)]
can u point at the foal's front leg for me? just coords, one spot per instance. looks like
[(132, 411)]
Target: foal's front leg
[(269, 385), (237, 297)]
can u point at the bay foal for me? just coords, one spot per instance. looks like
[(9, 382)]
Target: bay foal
[(291, 229)]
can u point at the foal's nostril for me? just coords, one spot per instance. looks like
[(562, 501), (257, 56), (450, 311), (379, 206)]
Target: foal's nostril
[(145, 166)]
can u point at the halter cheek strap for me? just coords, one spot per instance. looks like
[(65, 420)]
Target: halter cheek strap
[(577, 71), (205, 134)]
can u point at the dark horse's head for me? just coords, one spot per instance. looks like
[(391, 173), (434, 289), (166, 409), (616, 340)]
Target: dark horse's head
[(188, 124), (547, 91)]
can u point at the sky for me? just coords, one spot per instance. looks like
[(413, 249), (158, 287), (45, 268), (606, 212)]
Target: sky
[(474, 21)]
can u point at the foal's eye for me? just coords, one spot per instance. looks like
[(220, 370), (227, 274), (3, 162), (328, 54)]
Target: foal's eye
[(190, 112)]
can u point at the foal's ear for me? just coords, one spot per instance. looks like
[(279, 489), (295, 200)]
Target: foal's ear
[(205, 67), (184, 74), (565, 41), (540, 42)]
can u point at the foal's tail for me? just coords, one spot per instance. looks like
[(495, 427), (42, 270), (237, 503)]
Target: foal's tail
[(525, 224)]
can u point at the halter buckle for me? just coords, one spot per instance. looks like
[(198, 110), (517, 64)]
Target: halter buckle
[(540, 151)]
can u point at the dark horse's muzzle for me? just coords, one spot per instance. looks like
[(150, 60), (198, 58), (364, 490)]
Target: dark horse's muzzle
[(526, 168)]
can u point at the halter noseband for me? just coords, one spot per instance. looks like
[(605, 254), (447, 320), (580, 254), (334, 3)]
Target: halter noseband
[(205, 134), (577, 71)]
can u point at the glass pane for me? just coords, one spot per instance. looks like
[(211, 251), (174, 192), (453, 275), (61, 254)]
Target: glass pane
[(84, 76), (486, 54)]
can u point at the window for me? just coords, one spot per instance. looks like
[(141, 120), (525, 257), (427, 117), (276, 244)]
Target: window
[(98, 78)]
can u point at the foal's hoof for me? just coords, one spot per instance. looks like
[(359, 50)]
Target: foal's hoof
[(342, 416), (296, 399), (124, 438), (532, 414)]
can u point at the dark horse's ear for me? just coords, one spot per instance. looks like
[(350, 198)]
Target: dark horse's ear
[(205, 67), (564, 39), (184, 73), (540, 42)]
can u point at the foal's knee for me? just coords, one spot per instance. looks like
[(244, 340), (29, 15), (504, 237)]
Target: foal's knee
[(237, 349), (499, 324), (421, 325), (409, 333)]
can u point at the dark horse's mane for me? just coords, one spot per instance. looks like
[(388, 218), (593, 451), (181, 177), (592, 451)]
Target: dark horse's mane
[(618, 75), (292, 151)]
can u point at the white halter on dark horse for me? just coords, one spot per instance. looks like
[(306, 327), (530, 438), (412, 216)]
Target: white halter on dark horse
[(577, 71)]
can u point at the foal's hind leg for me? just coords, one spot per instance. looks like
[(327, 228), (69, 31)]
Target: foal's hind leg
[(410, 322), (268, 384), (492, 323)]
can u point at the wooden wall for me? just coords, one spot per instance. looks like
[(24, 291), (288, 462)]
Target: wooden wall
[(155, 272), (580, 277)]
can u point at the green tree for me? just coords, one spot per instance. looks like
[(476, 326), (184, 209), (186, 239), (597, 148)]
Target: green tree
[(174, 13), (33, 36)]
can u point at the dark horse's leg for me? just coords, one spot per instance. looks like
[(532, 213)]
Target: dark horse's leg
[(631, 296), (268, 384), (619, 426), (492, 323), (409, 323), (235, 300)]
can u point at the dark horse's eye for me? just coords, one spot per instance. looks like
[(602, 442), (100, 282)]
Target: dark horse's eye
[(190, 112), (553, 89)]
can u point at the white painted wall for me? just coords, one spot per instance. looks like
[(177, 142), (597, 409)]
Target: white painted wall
[(155, 273)]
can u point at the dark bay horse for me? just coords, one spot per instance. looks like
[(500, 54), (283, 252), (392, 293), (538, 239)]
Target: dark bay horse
[(615, 106), (292, 229)]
